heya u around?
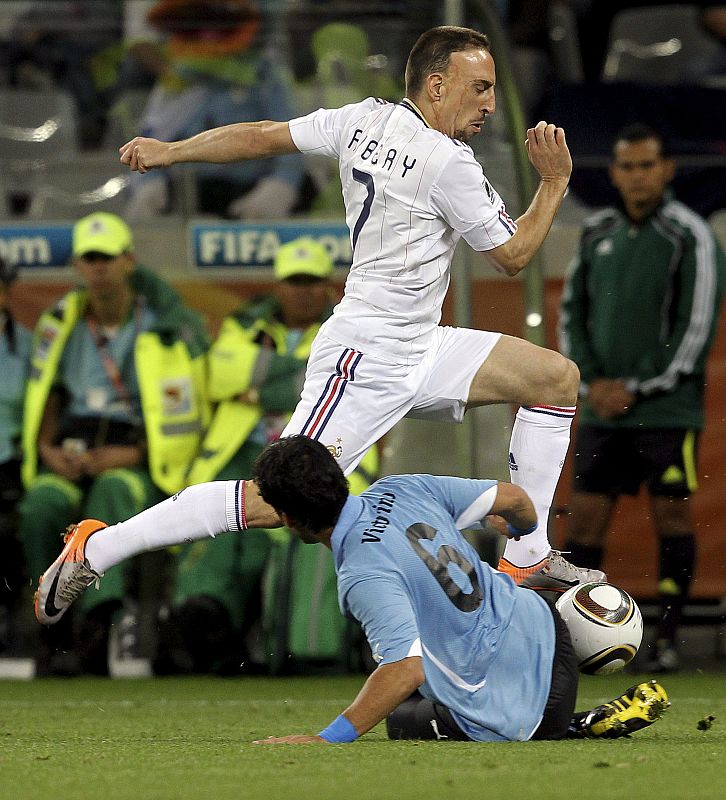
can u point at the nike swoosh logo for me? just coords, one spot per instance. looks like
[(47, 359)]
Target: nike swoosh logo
[(550, 584), (550, 588), (51, 610), (565, 582)]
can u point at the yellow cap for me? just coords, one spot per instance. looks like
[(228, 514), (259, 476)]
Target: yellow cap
[(102, 233), (303, 256)]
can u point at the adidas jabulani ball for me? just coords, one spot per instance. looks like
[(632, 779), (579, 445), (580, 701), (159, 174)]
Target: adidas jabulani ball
[(605, 626)]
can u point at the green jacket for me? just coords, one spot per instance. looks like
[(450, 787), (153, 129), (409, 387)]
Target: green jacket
[(250, 353), (171, 371), (641, 302)]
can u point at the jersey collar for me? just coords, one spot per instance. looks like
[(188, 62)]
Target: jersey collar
[(414, 109)]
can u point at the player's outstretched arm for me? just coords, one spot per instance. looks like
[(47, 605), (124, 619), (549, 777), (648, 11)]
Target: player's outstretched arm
[(238, 142), (386, 688), (550, 156)]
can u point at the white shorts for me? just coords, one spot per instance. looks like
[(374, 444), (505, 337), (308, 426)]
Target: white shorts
[(350, 399)]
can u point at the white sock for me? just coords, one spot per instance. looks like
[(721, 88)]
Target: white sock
[(537, 450), (197, 511)]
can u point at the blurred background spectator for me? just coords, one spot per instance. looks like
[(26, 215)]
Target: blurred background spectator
[(172, 67), (113, 415), (217, 73), (15, 342)]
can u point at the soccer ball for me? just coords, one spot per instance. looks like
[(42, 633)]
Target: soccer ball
[(605, 625)]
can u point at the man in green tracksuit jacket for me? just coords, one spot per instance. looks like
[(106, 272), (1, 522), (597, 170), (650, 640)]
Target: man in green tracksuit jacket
[(639, 314), (114, 412), (256, 371)]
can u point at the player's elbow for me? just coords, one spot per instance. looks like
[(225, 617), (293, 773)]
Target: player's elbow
[(271, 139), (515, 267), (507, 260)]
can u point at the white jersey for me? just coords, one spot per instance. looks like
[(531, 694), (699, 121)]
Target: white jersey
[(410, 194)]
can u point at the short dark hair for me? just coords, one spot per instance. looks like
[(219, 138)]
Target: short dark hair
[(639, 132), (433, 49), (300, 477)]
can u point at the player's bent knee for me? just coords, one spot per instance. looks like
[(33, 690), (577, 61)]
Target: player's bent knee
[(564, 381), (570, 379), (574, 372), (556, 381)]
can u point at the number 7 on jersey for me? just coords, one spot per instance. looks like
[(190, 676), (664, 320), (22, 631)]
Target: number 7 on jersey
[(367, 180)]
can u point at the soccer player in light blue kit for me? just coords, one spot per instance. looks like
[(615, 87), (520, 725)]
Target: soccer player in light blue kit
[(491, 661)]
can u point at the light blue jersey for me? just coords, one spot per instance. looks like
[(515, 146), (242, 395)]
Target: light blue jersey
[(407, 574)]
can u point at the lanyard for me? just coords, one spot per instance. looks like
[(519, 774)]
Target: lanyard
[(109, 365)]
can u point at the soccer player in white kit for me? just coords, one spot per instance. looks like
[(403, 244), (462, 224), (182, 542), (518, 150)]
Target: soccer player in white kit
[(412, 189)]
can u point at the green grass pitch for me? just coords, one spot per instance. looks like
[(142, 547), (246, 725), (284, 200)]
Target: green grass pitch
[(192, 738)]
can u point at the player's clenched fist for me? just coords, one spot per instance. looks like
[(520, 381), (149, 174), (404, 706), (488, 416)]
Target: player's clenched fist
[(548, 151), (143, 154)]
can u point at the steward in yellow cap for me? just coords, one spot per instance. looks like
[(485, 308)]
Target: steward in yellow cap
[(114, 411)]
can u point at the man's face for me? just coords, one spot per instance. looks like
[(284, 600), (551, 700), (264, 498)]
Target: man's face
[(304, 299), (464, 94), (640, 173), (105, 276)]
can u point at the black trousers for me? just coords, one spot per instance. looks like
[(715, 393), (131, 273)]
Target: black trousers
[(419, 718), (12, 563)]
